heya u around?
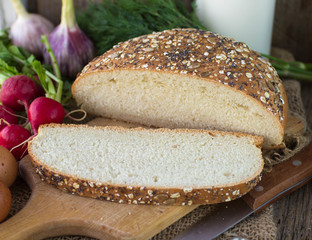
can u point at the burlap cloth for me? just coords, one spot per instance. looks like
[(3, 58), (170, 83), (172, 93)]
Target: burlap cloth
[(258, 226)]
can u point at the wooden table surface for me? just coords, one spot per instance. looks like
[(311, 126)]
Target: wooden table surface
[(293, 213)]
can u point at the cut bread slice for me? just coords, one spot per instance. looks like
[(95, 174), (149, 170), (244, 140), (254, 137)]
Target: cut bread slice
[(147, 166)]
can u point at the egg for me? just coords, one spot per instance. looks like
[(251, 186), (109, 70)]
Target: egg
[(8, 167), (5, 201)]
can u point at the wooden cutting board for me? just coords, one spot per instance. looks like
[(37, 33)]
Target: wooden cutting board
[(51, 212)]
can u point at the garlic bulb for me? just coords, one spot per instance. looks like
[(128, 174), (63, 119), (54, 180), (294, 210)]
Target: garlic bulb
[(26, 31), (71, 47)]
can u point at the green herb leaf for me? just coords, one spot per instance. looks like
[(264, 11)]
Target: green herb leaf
[(31, 59), (14, 50), (51, 88), (7, 57), (40, 71), (117, 21), (4, 37), (3, 48), (6, 71)]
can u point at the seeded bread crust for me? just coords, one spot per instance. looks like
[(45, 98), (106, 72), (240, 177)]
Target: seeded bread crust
[(203, 55), (144, 194)]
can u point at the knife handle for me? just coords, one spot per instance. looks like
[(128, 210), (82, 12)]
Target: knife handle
[(285, 178)]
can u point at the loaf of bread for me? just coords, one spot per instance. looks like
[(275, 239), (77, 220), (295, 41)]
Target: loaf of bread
[(147, 166), (186, 78)]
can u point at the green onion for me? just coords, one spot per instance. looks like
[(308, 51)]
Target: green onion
[(297, 70)]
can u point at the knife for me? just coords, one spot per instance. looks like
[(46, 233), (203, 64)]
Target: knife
[(285, 178)]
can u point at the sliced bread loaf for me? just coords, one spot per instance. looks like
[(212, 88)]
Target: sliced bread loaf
[(186, 78), (147, 166)]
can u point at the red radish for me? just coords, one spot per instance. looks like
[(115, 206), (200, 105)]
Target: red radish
[(18, 91), (45, 110), (41, 91), (13, 135), (7, 116)]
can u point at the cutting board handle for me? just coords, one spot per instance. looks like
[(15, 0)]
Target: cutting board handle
[(44, 216), (284, 178)]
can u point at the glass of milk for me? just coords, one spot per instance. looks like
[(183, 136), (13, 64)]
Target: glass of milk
[(248, 21), (7, 13)]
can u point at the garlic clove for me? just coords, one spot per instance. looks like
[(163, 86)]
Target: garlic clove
[(28, 28), (26, 32), (72, 49)]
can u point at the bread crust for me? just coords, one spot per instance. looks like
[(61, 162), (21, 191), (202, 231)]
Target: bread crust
[(142, 194), (145, 194), (203, 55)]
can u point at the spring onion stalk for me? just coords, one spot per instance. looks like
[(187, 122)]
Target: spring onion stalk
[(296, 70), (58, 96), (72, 48), (26, 31)]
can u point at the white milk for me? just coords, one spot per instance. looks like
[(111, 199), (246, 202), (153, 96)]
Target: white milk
[(7, 13), (249, 21)]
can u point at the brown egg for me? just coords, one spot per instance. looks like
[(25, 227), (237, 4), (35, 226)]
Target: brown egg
[(5, 201), (8, 167)]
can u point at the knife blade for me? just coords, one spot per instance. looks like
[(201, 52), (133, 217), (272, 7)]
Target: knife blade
[(285, 178)]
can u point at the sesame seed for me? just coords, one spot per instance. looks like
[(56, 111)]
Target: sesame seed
[(262, 99), (239, 50), (187, 190), (148, 49), (228, 199), (196, 65), (204, 74), (221, 57), (249, 75), (145, 66), (175, 195), (267, 95), (282, 100)]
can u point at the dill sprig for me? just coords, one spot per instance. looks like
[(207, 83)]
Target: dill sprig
[(110, 22)]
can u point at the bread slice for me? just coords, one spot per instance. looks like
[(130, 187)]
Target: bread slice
[(147, 166), (186, 78)]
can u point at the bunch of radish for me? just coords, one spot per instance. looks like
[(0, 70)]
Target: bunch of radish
[(21, 94), (29, 88)]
